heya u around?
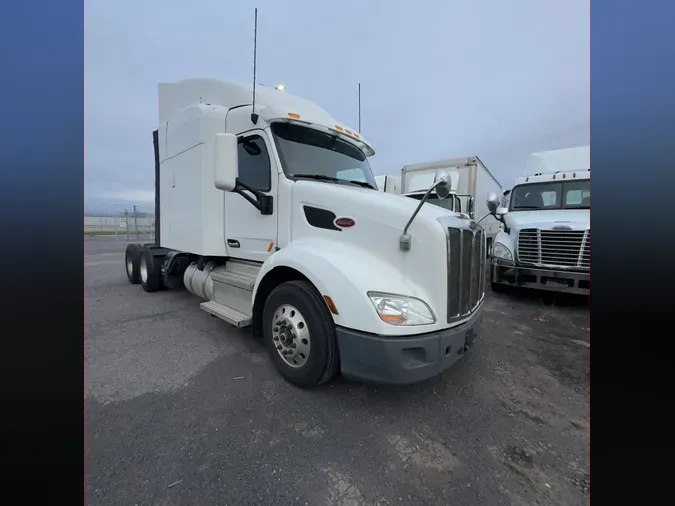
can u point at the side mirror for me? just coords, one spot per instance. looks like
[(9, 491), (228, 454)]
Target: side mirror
[(442, 183), (493, 202), (470, 207), (226, 162), (500, 212)]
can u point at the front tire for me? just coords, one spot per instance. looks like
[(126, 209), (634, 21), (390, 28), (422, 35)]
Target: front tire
[(299, 334), (494, 285), (498, 287), (132, 257)]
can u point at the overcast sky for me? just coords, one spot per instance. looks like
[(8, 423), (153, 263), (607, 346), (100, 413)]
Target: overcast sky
[(490, 78)]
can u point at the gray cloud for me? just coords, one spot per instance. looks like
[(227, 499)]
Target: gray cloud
[(488, 78)]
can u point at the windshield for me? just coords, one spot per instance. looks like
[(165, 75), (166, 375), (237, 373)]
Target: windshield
[(305, 151), (552, 195)]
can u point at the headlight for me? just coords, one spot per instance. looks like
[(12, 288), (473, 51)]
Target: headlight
[(401, 310), (501, 251)]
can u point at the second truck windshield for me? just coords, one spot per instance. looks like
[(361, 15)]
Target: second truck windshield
[(551, 195)]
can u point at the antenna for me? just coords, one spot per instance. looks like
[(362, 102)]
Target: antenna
[(359, 107), (254, 116)]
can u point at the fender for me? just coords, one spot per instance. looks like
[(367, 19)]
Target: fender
[(346, 273)]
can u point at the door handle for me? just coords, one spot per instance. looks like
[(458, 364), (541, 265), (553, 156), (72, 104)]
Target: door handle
[(233, 243)]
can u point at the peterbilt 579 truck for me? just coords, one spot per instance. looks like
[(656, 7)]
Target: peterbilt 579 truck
[(546, 241), (270, 214)]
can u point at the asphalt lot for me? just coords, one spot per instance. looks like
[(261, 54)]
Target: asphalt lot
[(183, 409)]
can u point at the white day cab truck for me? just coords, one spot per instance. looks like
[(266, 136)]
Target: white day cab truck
[(546, 241), (471, 183), (267, 210)]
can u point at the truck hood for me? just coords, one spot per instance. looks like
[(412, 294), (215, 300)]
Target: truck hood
[(379, 222), (365, 204), (577, 219)]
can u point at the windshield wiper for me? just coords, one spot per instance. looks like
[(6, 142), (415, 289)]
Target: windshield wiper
[(319, 177), (365, 184), (322, 177)]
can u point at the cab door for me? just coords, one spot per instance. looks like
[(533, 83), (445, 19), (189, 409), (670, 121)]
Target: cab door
[(248, 232)]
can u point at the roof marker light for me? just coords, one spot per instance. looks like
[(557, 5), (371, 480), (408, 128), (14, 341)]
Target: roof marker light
[(338, 128), (293, 115), (348, 131)]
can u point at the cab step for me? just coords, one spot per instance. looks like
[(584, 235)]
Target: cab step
[(237, 273), (231, 316), (233, 287)]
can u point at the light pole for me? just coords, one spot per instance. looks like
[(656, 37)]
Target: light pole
[(359, 107)]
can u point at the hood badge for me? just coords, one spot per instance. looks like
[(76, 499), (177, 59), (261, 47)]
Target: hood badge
[(344, 222), (562, 227)]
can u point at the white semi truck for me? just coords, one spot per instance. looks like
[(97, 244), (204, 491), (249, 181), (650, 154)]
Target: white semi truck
[(267, 209), (471, 184), (546, 241)]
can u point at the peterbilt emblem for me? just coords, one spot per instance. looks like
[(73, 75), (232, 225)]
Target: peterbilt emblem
[(562, 227), (344, 222)]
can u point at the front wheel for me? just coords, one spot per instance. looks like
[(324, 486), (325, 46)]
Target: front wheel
[(498, 287), (299, 334)]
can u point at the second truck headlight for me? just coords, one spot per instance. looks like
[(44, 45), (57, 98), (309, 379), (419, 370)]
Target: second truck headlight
[(501, 251), (401, 310)]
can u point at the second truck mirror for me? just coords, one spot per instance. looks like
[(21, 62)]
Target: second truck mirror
[(442, 180), (226, 162), (493, 202)]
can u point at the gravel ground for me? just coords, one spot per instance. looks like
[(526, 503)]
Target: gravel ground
[(183, 409)]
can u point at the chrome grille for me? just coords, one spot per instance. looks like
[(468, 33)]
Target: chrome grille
[(466, 271), (563, 248)]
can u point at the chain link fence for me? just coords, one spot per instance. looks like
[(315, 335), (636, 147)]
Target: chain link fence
[(129, 224)]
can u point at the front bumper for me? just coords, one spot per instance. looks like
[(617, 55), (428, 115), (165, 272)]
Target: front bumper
[(506, 273), (405, 359)]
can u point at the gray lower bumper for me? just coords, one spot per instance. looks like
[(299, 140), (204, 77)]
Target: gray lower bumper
[(541, 279), (405, 359)]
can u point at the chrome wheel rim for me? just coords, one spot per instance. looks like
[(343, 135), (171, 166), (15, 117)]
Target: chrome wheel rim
[(130, 266), (144, 270), (290, 335)]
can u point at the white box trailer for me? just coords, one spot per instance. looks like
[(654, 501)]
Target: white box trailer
[(271, 215), (559, 160), (472, 182), (389, 184)]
